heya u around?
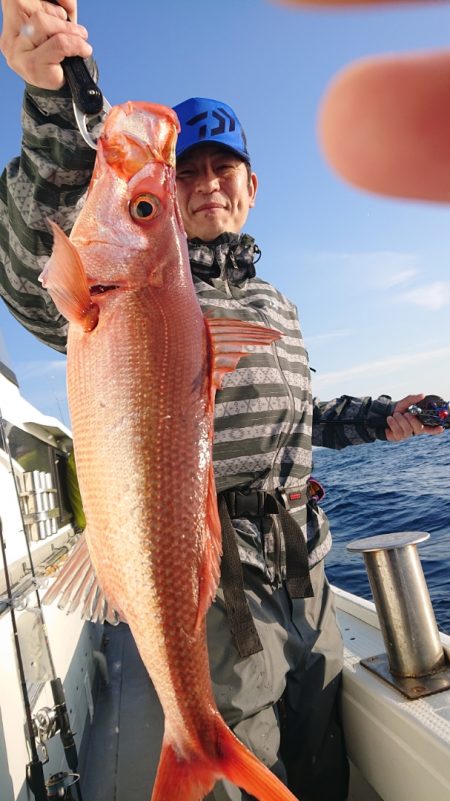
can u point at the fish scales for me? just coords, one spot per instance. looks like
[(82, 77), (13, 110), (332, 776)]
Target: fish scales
[(143, 367)]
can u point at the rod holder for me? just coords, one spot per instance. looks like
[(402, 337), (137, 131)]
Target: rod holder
[(406, 616)]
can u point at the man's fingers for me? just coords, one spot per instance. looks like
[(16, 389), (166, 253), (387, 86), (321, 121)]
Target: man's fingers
[(54, 10), (46, 60), (41, 26), (400, 426), (384, 125), (66, 9)]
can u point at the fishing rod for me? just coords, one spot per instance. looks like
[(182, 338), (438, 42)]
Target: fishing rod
[(35, 770), (47, 722)]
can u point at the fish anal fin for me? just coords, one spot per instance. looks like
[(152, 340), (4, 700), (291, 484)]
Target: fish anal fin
[(229, 340), (77, 584), (65, 279), (209, 573)]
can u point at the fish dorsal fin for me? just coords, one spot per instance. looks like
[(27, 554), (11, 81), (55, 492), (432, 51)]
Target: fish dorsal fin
[(228, 342), (65, 279), (77, 585)]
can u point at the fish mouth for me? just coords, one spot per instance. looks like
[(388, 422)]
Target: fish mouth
[(100, 289)]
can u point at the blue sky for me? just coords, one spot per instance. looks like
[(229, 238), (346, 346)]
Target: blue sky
[(369, 275)]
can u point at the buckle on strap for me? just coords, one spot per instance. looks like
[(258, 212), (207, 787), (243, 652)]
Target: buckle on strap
[(258, 503), (245, 503)]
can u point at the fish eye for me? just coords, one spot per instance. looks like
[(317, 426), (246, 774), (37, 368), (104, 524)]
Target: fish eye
[(144, 207)]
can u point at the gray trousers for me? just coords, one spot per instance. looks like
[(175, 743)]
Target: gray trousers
[(282, 701)]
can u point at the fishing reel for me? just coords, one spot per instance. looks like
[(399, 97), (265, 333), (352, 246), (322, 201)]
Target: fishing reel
[(432, 411), (60, 785)]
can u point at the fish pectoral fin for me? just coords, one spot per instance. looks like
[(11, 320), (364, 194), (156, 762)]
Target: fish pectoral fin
[(209, 573), (78, 585), (228, 342), (65, 279)]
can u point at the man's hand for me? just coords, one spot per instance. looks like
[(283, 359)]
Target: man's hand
[(402, 424), (37, 36), (384, 124)]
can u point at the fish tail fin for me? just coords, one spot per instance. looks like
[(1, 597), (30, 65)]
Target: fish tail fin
[(192, 779), (246, 771), (179, 778)]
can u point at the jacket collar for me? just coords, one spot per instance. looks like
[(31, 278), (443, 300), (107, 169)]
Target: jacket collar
[(231, 256)]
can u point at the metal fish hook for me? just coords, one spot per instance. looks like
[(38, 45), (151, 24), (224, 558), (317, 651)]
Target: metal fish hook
[(88, 101), (84, 119), (89, 105)]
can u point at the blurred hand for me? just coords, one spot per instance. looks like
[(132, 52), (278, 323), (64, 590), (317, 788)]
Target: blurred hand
[(37, 36), (402, 424), (384, 124)]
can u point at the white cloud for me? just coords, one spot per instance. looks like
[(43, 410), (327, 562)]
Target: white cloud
[(383, 366), (383, 269), (326, 337), (396, 279), (38, 368), (431, 296)]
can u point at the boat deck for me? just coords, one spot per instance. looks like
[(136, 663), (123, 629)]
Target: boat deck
[(400, 749), (125, 741)]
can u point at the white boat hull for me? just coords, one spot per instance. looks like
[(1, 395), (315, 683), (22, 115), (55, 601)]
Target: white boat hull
[(399, 748)]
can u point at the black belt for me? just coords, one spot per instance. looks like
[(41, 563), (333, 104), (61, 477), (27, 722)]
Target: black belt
[(257, 503)]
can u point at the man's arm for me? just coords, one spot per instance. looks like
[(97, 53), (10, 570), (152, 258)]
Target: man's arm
[(350, 421), (353, 421), (50, 177), (47, 181)]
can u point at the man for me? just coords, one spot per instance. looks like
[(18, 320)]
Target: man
[(275, 649)]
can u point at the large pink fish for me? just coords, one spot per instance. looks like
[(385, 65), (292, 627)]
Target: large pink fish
[(143, 367)]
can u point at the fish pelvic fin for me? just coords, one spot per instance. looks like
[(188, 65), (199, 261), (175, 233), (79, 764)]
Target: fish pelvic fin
[(65, 279), (78, 586), (191, 779), (229, 340)]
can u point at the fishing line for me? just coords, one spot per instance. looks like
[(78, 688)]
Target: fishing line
[(35, 775)]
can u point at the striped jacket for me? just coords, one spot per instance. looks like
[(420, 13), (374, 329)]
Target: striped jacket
[(266, 419)]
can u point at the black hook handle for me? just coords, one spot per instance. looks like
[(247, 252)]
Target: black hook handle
[(85, 92)]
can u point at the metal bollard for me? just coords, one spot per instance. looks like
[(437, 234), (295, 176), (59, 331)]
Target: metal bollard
[(406, 616)]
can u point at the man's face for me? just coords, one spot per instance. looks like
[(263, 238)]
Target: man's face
[(214, 192)]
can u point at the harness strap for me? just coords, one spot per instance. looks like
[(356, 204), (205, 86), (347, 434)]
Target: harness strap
[(240, 619), (298, 581), (233, 504)]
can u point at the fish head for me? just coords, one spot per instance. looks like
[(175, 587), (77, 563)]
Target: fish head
[(130, 233)]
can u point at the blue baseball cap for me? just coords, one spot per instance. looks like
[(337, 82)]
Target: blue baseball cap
[(205, 120)]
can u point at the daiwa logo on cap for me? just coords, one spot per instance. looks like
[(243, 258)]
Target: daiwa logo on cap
[(221, 117), (205, 120)]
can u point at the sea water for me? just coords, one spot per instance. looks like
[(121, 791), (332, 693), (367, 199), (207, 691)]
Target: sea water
[(384, 487)]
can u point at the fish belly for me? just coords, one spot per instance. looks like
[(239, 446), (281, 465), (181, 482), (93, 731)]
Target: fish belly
[(142, 432)]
